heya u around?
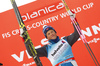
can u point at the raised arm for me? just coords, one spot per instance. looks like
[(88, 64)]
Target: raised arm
[(41, 52), (74, 36)]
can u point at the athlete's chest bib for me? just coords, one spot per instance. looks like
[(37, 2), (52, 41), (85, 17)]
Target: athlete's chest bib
[(59, 52)]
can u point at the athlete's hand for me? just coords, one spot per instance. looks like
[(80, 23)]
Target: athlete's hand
[(21, 32), (71, 13)]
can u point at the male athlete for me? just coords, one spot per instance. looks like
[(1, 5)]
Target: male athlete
[(58, 51)]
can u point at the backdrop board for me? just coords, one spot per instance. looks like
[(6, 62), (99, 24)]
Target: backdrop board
[(49, 12)]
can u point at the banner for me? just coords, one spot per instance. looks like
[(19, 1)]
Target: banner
[(49, 12)]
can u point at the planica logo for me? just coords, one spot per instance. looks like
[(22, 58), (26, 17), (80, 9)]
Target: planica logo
[(43, 11)]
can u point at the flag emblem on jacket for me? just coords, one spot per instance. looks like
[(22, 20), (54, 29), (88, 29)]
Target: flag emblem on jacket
[(63, 42)]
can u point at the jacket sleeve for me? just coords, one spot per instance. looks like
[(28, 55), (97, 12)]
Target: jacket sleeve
[(41, 52), (73, 37)]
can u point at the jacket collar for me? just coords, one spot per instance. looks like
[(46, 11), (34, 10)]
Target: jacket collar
[(52, 41)]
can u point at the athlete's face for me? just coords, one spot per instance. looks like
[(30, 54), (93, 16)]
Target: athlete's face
[(51, 34)]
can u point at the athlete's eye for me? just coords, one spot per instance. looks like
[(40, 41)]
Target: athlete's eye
[(48, 34), (51, 31)]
